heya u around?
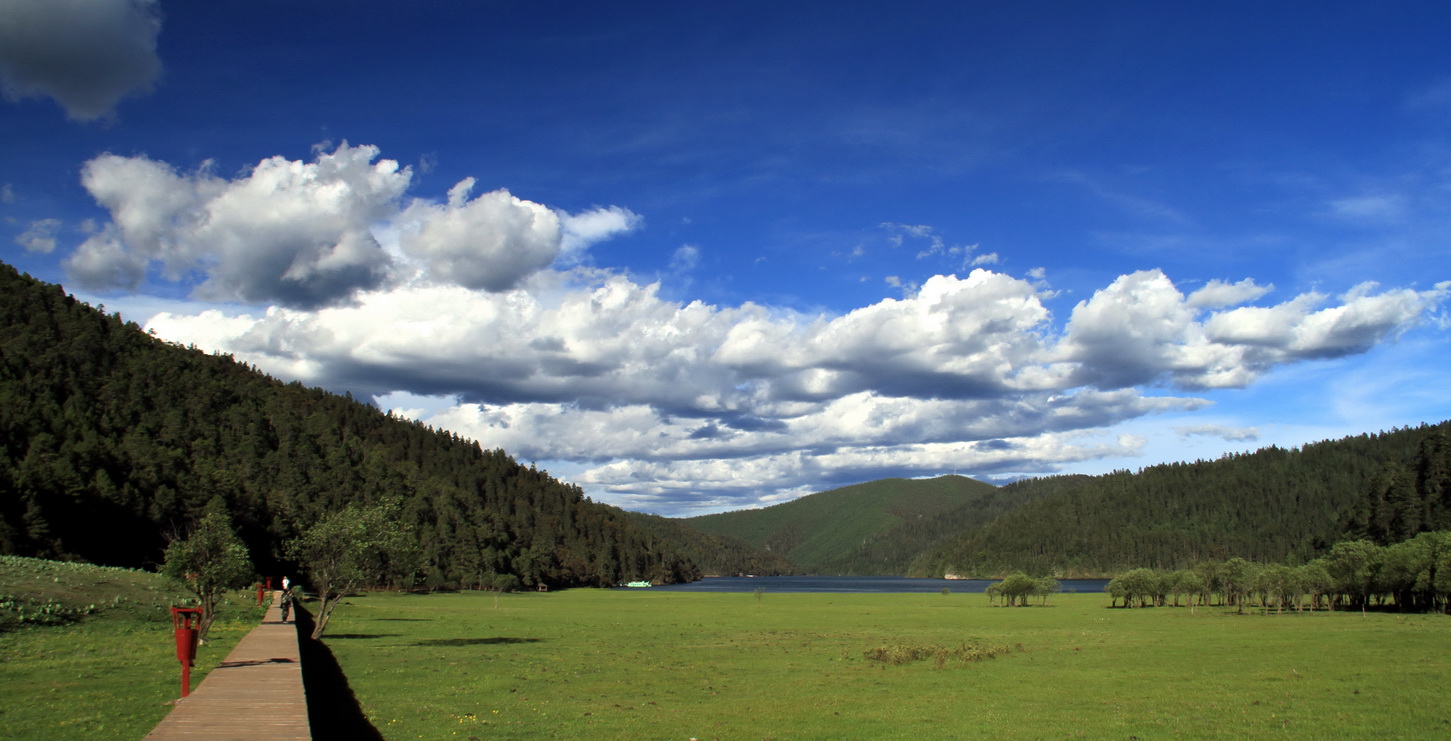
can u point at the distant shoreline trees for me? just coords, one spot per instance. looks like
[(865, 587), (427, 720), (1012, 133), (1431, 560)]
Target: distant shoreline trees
[(1411, 576), (1397, 553), (1017, 589)]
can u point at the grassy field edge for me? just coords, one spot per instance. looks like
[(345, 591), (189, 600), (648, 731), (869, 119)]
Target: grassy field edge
[(609, 664)]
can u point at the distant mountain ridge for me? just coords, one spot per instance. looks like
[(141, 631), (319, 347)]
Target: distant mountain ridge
[(827, 532), (1271, 505), (716, 555)]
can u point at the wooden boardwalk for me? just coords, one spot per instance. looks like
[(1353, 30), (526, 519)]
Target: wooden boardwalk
[(256, 693)]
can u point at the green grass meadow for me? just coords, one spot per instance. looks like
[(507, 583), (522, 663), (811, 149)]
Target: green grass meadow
[(105, 668), (602, 664), (103, 679)]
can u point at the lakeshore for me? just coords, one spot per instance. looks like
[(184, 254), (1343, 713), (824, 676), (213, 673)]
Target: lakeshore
[(804, 584)]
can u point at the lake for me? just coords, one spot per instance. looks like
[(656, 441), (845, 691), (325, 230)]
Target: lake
[(848, 584)]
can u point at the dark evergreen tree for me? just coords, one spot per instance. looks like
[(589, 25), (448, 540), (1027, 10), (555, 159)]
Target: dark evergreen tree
[(1408, 497)]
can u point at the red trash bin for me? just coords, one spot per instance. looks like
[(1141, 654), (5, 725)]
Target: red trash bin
[(184, 623)]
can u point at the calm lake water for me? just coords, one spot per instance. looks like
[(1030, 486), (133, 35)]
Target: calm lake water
[(880, 584)]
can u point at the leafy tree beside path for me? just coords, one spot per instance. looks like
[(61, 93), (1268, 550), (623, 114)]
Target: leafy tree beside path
[(210, 561), (353, 548)]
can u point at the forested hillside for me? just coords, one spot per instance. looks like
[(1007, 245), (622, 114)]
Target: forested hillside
[(716, 555), (892, 551), (844, 531), (1273, 505), (112, 440), (1407, 498)]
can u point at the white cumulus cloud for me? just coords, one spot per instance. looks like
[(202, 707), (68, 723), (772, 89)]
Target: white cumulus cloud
[(596, 225), (1141, 330), (489, 243), (478, 314), (40, 237), (662, 401), (312, 234), (288, 232)]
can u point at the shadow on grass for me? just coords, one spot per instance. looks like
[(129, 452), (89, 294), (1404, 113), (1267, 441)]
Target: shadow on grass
[(255, 662), (474, 641), (333, 712), (353, 636)]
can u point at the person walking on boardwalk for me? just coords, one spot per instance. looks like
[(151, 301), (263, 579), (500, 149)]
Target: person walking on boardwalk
[(286, 603)]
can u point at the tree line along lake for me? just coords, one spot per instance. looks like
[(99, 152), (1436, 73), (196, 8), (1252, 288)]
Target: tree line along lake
[(856, 584)]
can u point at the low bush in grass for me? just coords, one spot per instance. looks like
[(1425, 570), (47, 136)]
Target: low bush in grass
[(964, 652)]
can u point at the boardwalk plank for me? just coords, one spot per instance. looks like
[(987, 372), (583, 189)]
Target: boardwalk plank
[(256, 693)]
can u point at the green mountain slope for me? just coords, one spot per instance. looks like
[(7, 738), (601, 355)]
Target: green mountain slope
[(820, 533), (716, 555), (1269, 505), (893, 551), (112, 440)]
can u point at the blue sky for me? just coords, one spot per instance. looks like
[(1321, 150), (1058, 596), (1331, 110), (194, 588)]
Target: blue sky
[(704, 256)]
